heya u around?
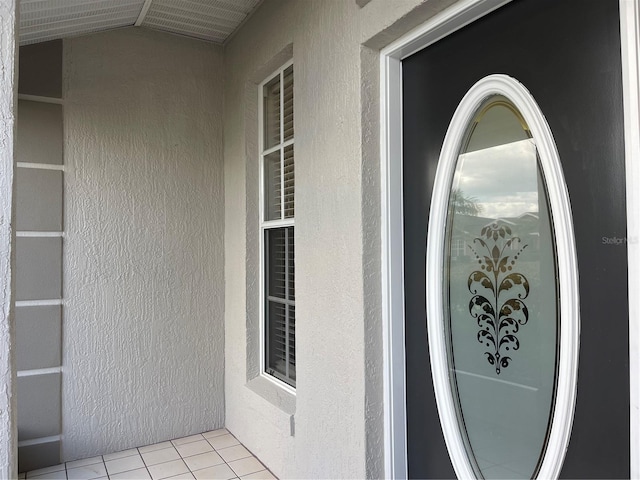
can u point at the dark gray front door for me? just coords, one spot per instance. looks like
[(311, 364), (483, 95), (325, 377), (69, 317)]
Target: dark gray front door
[(567, 54)]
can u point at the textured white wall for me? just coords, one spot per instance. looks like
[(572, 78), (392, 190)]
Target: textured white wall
[(143, 351), (8, 105), (338, 418)]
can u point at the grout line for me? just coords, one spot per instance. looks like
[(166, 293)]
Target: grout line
[(34, 234), (187, 443), (38, 371), (39, 303), (40, 166), (146, 467)]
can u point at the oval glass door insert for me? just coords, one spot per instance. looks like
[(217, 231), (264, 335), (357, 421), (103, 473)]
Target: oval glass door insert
[(499, 317)]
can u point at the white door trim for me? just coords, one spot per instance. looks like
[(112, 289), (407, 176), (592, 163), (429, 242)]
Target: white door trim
[(441, 25), (630, 49)]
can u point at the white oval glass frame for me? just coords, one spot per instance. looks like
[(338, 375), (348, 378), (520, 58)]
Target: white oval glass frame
[(562, 227)]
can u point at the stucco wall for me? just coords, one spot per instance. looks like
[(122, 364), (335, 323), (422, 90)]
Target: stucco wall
[(8, 105), (338, 405), (143, 351)]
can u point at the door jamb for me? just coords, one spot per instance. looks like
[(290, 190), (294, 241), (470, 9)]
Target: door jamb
[(441, 25), (630, 50)]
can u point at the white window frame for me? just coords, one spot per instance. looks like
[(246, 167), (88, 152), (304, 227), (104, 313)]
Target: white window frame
[(270, 224)]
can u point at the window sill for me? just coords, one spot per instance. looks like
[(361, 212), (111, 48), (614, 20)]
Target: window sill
[(273, 394)]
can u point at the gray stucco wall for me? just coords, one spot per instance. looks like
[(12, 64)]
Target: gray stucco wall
[(8, 106), (143, 351), (338, 406)]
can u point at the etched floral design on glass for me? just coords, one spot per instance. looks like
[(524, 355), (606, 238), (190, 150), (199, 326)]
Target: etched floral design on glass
[(501, 321)]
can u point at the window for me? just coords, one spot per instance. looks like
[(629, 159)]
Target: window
[(277, 226)]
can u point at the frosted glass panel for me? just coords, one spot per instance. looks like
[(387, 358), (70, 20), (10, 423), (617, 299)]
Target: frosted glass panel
[(501, 295)]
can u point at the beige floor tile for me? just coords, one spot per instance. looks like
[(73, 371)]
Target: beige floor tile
[(204, 460), (194, 448), (245, 466), (155, 446), (183, 476), (124, 464), (87, 472), (160, 456), (216, 433), (83, 462), (261, 475), (167, 469), (189, 439), (122, 454), (219, 472), (234, 453), (137, 474), (223, 441)]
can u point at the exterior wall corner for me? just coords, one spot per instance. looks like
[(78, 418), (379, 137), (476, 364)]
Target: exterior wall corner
[(8, 105)]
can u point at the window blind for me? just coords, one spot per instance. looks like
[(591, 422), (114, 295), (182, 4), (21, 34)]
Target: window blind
[(280, 301)]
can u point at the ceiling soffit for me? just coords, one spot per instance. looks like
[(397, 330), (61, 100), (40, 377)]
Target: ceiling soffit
[(211, 20)]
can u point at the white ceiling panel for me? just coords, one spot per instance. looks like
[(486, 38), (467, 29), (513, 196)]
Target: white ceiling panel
[(42, 20), (213, 20)]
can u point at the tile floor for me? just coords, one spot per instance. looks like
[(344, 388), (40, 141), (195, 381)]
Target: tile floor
[(213, 455)]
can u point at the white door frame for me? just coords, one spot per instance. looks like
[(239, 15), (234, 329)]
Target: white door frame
[(441, 25)]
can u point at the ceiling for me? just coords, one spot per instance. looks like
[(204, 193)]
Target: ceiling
[(212, 20)]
